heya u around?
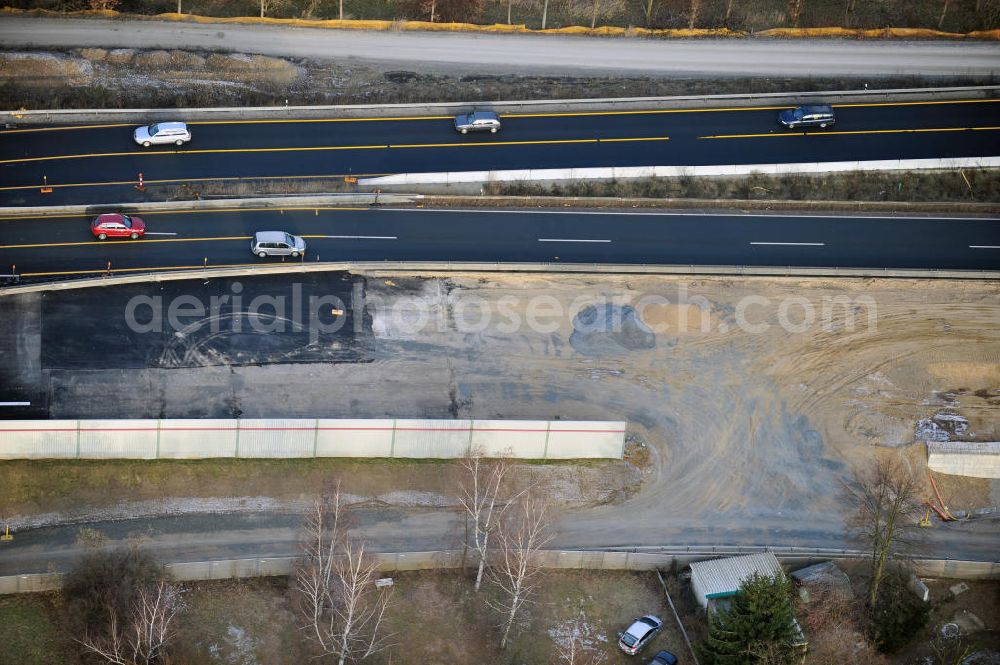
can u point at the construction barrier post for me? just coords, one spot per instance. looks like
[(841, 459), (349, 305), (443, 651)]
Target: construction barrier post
[(139, 186)]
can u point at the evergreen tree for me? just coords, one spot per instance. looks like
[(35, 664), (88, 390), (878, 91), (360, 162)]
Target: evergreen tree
[(756, 628)]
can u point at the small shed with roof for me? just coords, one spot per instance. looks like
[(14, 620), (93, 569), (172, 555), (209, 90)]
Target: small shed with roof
[(721, 578)]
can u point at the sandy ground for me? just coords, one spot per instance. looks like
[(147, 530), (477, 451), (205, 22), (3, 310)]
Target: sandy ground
[(748, 434)]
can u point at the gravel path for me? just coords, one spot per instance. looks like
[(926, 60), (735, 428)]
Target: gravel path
[(524, 53)]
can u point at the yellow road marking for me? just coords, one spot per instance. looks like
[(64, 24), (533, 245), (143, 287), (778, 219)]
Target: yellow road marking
[(188, 212), (651, 138), (735, 108), (274, 122), (60, 129), (122, 244), (316, 149), (851, 132), (928, 103), (494, 143), (193, 152)]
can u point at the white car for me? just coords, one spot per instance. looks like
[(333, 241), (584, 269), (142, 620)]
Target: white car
[(162, 133)]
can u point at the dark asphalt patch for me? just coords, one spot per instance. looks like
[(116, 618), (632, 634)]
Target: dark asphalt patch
[(309, 318)]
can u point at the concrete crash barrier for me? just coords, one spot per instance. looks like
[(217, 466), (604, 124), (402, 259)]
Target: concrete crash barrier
[(620, 172), (390, 562), (977, 460), (304, 438)]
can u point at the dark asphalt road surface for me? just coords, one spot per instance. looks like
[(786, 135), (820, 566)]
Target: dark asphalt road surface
[(101, 163), (56, 247), (207, 537)]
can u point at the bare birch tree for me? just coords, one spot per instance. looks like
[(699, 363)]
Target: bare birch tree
[(795, 11), (594, 10), (342, 607), (514, 571), (482, 487), (647, 9), (267, 6), (143, 639), (694, 9), (885, 496)]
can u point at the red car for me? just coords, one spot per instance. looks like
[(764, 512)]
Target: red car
[(116, 225)]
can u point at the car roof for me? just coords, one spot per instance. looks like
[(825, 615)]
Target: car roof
[(270, 236), (665, 657), (110, 217), (171, 125), (817, 108), (640, 627), (483, 115)]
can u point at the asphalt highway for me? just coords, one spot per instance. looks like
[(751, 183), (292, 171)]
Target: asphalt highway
[(101, 163), (55, 247)]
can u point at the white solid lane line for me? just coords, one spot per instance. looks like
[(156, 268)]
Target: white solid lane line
[(984, 246), (569, 240), (794, 244), (664, 213), (359, 237), (15, 403), (159, 233)]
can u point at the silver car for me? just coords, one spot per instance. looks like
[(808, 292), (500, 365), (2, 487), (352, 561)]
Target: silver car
[(162, 133), (277, 243), (478, 121)]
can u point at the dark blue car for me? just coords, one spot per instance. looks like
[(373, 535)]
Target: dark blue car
[(664, 658), (820, 115)]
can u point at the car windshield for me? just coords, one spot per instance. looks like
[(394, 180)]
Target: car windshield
[(797, 113), (154, 130), (127, 221), (289, 240)]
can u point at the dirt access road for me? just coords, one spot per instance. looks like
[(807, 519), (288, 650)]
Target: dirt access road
[(523, 53), (750, 416)]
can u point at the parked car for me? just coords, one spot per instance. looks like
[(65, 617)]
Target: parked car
[(117, 225), (819, 115), (277, 243), (639, 634), (478, 121), (162, 133), (663, 658)]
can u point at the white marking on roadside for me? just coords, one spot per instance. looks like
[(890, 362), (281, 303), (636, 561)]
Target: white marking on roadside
[(15, 403), (159, 233), (570, 240), (984, 246), (359, 237), (793, 244)]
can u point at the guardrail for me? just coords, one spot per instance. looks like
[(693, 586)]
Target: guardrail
[(428, 268), (13, 118), (635, 560)]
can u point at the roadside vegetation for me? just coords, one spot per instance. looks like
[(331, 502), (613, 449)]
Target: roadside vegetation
[(437, 617), (749, 16)]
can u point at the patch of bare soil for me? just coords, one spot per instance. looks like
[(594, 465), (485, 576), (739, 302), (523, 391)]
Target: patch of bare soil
[(45, 493)]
